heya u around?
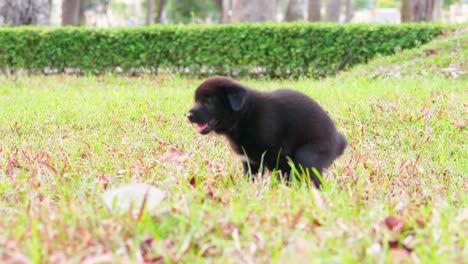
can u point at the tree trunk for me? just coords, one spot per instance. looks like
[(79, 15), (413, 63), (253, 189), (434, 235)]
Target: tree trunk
[(24, 12), (219, 5), (314, 10), (161, 5), (149, 12), (418, 10), (225, 10), (406, 10), (427, 10), (295, 10), (349, 11), (437, 13), (253, 10), (333, 10), (70, 12)]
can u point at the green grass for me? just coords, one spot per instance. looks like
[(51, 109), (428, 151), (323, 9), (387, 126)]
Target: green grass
[(65, 140)]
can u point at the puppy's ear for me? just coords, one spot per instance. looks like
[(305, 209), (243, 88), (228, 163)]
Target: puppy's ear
[(236, 98)]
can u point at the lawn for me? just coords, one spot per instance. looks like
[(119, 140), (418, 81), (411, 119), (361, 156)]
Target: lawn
[(399, 192)]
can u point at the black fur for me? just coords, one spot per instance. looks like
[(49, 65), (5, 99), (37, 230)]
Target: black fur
[(269, 125)]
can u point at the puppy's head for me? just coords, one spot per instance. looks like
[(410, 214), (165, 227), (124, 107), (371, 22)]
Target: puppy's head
[(218, 102)]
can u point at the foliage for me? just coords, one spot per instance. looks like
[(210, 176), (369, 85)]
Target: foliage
[(387, 3), (186, 11), (362, 4), (275, 49)]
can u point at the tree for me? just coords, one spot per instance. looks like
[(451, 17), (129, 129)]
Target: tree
[(224, 6), (161, 5), (187, 11), (418, 10), (333, 10), (349, 11), (295, 10), (314, 10), (24, 12), (71, 12), (149, 12), (253, 10)]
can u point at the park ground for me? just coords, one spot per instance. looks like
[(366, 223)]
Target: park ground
[(398, 194)]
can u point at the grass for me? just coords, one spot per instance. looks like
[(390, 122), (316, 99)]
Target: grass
[(398, 194)]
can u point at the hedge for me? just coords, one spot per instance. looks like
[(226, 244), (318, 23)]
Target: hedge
[(275, 49)]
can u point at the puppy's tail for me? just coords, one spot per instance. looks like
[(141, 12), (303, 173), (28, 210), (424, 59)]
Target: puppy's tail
[(341, 144)]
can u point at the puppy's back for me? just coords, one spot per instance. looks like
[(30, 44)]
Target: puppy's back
[(301, 113)]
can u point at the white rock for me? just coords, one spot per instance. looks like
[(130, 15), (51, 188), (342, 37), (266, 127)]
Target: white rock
[(120, 199)]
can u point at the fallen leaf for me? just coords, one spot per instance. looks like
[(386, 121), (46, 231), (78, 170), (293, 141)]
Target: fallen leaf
[(399, 251), (147, 248), (459, 125), (421, 221), (454, 71), (193, 182), (104, 180), (105, 258), (49, 167), (226, 228), (393, 223), (296, 217), (430, 52), (10, 167), (398, 254), (175, 158), (174, 155), (16, 258)]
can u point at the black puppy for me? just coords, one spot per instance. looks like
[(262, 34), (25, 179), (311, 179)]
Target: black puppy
[(265, 128)]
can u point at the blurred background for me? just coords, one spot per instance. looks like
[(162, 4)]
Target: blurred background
[(128, 13)]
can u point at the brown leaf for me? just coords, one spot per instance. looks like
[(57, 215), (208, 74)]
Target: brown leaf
[(193, 182), (393, 223), (49, 167), (421, 221), (144, 119), (15, 257), (315, 223), (10, 167), (174, 157), (430, 52), (104, 179), (104, 258), (296, 217), (226, 228), (398, 251), (459, 125), (398, 254), (142, 207), (147, 247)]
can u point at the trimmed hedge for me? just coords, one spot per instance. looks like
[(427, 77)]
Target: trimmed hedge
[(275, 49)]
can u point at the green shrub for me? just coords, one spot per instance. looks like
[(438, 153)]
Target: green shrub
[(275, 49)]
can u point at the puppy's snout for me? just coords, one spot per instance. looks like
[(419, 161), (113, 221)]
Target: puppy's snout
[(191, 116)]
